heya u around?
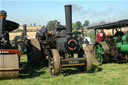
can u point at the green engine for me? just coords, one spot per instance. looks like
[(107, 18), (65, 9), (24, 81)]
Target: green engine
[(113, 47), (122, 43)]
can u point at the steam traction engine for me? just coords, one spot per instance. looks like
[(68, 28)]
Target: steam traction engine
[(9, 55), (113, 48), (64, 49)]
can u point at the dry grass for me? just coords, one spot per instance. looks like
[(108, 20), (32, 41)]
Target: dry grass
[(29, 34), (30, 27)]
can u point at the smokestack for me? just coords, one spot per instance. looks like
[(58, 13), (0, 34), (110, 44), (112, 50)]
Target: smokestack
[(25, 30), (68, 17), (3, 16)]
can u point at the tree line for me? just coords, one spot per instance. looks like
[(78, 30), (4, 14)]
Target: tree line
[(75, 26)]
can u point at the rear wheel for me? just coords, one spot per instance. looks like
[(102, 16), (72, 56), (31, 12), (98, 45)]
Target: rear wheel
[(54, 62), (100, 53), (34, 55)]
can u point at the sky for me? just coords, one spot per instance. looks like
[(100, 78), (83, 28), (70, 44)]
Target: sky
[(42, 11)]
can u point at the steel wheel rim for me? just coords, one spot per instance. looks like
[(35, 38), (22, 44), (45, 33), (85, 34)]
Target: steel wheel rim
[(54, 62)]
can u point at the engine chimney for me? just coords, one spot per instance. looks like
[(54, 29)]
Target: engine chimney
[(68, 17), (25, 30), (3, 16)]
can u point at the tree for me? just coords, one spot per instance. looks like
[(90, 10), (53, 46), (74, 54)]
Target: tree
[(74, 26), (102, 22), (86, 23), (34, 24), (78, 25), (91, 34), (51, 23), (30, 24)]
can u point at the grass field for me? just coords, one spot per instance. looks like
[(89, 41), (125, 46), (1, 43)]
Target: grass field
[(107, 74)]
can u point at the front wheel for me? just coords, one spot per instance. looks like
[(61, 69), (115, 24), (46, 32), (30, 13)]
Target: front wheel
[(54, 62), (88, 54)]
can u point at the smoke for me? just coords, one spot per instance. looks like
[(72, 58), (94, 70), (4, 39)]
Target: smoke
[(76, 7), (90, 12), (97, 15)]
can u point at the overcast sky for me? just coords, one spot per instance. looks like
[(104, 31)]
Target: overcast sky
[(41, 11)]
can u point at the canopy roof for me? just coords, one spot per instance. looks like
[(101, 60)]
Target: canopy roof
[(118, 24), (10, 26)]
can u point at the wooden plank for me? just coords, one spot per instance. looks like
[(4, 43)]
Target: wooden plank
[(73, 59)]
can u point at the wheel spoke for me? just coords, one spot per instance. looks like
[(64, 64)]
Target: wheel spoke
[(99, 53)]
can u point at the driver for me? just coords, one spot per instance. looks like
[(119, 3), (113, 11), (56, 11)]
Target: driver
[(44, 31), (100, 36)]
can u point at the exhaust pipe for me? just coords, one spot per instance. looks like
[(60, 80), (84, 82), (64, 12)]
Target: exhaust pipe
[(3, 16), (68, 18)]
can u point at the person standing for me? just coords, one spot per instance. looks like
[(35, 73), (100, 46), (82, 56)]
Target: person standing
[(44, 29)]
